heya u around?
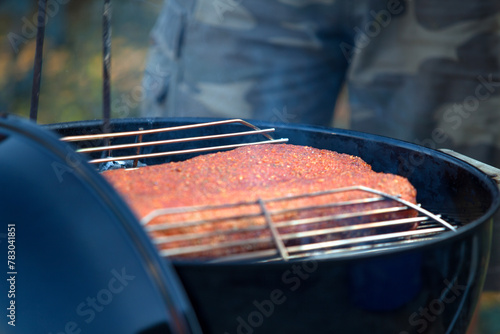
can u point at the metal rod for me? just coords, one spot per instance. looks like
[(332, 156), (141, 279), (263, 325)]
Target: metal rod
[(193, 236), (173, 226), (169, 141), (340, 216), (274, 231), (269, 254), (196, 208), (326, 206), (166, 129), (354, 227), (370, 238), (106, 66), (413, 206), (333, 191), (138, 151), (201, 248), (195, 150), (360, 248), (37, 70)]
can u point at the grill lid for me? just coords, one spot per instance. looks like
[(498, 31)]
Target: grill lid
[(80, 259)]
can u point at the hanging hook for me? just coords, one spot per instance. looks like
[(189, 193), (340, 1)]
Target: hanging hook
[(106, 53), (37, 70)]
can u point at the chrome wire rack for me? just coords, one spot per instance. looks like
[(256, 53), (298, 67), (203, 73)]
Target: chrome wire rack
[(111, 154), (261, 230)]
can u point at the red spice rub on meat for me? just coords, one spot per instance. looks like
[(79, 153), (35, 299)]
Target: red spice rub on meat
[(248, 173)]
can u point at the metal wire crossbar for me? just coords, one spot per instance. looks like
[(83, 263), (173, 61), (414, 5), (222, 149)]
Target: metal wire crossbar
[(139, 143), (261, 230)]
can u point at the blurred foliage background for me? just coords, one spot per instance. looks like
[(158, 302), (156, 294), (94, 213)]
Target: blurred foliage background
[(71, 87)]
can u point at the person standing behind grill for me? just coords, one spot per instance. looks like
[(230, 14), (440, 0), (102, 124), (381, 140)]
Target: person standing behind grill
[(421, 71)]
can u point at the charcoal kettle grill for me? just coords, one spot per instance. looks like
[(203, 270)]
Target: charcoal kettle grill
[(84, 263), (77, 242)]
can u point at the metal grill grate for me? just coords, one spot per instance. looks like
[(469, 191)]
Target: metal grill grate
[(111, 151), (260, 230)]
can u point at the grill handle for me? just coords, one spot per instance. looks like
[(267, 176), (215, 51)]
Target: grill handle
[(491, 171)]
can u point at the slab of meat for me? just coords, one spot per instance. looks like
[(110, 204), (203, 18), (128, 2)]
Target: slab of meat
[(257, 172)]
